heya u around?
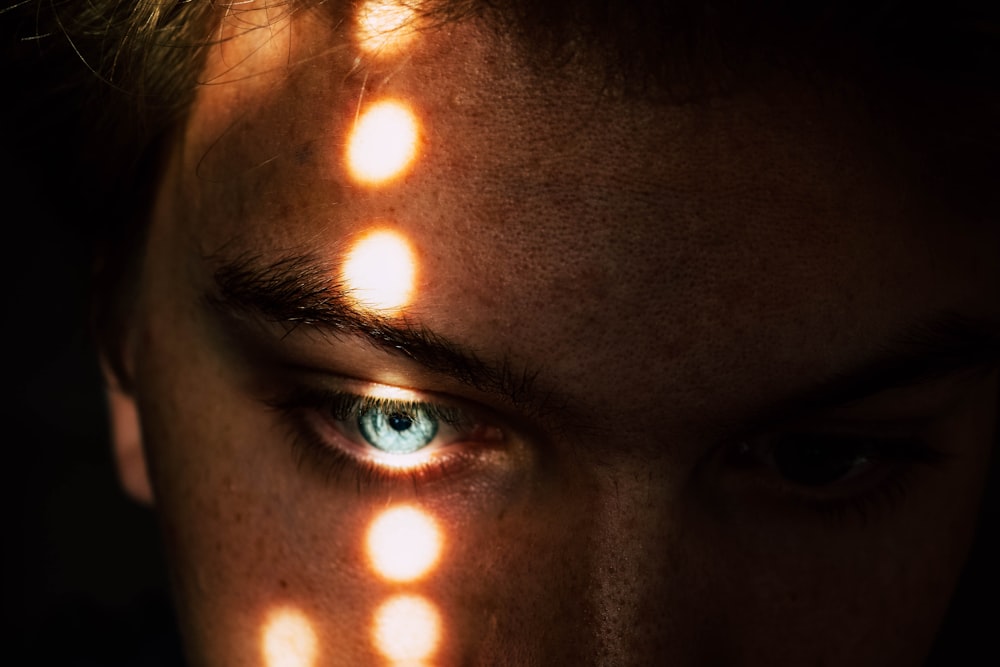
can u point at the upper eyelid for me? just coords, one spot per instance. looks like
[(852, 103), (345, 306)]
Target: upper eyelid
[(357, 396), (313, 385), (442, 412), (309, 383)]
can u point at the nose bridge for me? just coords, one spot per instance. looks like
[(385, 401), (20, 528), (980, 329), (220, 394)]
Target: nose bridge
[(638, 577)]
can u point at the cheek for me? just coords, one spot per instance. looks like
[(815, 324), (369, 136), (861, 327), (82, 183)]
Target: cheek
[(234, 527)]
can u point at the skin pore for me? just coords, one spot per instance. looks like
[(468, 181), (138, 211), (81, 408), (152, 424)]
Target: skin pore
[(632, 306)]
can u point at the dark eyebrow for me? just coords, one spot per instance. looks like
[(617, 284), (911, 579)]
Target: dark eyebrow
[(940, 346), (302, 291)]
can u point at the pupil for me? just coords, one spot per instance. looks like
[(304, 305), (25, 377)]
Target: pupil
[(400, 422)]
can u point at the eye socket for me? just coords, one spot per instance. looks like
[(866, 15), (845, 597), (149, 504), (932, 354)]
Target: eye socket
[(383, 432), (820, 460), (824, 462)]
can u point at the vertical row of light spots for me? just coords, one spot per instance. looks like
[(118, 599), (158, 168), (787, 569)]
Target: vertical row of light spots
[(379, 269), (403, 543), (403, 546)]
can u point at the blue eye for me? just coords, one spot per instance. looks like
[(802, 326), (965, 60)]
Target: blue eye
[(397, 432)]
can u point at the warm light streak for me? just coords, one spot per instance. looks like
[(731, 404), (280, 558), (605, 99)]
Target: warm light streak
[(288, 640), (379, 271), (407, 627), (385, 26), (403, 543), (383, 143)]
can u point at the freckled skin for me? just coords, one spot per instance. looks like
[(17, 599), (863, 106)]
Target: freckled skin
[(664, 267)]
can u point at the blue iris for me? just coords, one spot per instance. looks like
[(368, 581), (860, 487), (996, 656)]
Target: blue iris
[(397, 432)]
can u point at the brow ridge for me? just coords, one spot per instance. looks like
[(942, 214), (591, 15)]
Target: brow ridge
[(302, 291)]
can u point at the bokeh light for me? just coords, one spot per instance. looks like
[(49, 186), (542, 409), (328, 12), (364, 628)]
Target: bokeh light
[(407, 627), (403, 543), (288, 639), (385, 26), (379, 271), (383, 143)]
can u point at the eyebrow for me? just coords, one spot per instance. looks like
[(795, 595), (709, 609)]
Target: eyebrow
[(941, 346), (301, 291)]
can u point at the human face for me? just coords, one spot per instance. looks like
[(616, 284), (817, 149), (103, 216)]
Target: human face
[(711, 383)]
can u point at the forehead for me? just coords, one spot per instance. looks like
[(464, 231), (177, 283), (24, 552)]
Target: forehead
[(566, 226)]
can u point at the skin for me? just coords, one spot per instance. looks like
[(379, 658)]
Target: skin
[(664, 272)]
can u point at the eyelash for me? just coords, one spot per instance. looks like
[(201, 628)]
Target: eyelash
[(891, 460), (303, 406)]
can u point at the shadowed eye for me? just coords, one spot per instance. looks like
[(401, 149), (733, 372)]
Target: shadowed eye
[(829, 472), (817, 460), (397, 432)]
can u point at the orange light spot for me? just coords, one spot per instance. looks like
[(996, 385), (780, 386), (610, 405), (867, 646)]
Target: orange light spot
[(288, 639), (385, 26), (403, 543), (383, 143), (407, 627), (379, 272)]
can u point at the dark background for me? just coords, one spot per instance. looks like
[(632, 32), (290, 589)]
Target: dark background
[(83, 580)]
